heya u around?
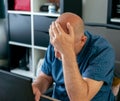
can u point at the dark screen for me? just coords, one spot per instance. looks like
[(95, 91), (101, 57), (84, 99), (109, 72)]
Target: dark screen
[(14, 87)]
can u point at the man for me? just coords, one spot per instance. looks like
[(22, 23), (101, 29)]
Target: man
[(79, 63)]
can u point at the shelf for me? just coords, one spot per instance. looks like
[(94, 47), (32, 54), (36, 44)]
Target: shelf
[(47, 14), (20, 44), (40, 47), (115, 20), (23, 72), (28, 31), (19, 12), (27, 46), (35, 13), (113, 16)]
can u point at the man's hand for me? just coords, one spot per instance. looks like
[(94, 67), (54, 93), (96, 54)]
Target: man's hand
[(36, 92), (61, 41), (41, 84)]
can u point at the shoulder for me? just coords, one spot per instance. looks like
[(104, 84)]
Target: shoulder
[(97, 41), (99, 47), (50, 55)]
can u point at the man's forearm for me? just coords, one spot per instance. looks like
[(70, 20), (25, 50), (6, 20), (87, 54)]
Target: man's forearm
[(43, 83), (77, 88)]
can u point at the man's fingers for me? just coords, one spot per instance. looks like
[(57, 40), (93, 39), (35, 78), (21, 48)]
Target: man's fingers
[(55, 30), (51, 32), (70, 29), (37, 97), (36, 92), (59, 28)]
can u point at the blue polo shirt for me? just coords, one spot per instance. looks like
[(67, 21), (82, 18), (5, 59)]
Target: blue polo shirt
[(95, 61)]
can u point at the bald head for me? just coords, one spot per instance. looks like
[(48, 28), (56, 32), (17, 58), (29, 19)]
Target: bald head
[(73, 19)]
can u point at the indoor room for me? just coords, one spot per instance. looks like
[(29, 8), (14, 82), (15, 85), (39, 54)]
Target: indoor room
[(33, 45)]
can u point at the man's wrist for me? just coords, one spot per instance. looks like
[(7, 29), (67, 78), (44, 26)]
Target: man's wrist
[(69, 55)]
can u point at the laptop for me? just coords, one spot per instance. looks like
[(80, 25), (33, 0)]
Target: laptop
[(14, 87)]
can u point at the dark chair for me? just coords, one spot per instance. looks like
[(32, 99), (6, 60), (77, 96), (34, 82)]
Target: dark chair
[(117, 81)]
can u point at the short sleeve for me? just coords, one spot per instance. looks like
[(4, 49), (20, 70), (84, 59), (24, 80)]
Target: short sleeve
[(101, 65), (47, 64)]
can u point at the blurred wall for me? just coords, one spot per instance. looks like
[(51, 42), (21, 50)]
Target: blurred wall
[(95, 11)]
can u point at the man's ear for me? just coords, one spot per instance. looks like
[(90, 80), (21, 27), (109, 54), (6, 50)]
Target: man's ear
[(83, 39), (80, 43)]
